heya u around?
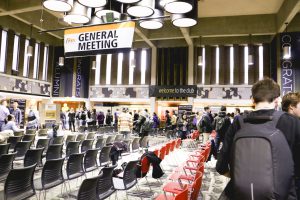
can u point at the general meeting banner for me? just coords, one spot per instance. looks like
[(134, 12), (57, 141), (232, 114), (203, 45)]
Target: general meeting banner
[(173, 91), (102, 39)]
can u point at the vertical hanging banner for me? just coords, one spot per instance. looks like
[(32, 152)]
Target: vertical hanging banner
[(102, 39), (78, 78), (56, 81)]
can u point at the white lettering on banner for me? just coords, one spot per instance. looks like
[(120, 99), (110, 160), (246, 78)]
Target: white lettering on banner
[(95, 39), (287, 71)]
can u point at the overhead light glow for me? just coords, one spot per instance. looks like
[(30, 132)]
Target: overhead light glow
[(79, 14), (287, 52), (153, 23), (179, 7), (58, 5), (93, 3), (144, 8)]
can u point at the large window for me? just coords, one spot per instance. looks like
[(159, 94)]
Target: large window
[(26, 60), (3, 50), (45, 63), (15, 61), (36, 60), (97, 73)]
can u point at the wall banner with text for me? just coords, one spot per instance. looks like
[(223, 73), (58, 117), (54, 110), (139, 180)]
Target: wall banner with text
[(102, 39), (173, 91)]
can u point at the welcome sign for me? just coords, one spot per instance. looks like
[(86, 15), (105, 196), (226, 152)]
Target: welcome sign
[(102, 39), (173, 91)]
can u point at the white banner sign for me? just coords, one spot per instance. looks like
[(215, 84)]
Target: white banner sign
[(102, 39)]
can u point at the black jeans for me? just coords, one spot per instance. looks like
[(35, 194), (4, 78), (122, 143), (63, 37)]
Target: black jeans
[(72, 124)]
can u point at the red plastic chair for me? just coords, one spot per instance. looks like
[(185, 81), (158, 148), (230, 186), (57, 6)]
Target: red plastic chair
[(172, 145), (162, 152), (182, 195), (156, 152), (168, 145), (178, 143)]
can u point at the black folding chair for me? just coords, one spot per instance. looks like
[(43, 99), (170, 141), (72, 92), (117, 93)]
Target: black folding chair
[(13, 140), (100, 143), (6, 164), (57, 140), (104, 156), (86, 145), (105, 186), (54, 151), (4, 148), (33, 156), (72, 147), (21, 149), (90, 160)]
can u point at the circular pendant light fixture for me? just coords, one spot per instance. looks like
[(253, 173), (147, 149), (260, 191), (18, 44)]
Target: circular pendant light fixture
[(95, 20), (79, 14), (128, 1), (58, 5), (110, 12), (187, 19), (153, 23), (179, 7), (93, 3), (144, 8)]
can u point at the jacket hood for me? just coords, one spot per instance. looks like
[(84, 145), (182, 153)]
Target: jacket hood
[(222, 114)]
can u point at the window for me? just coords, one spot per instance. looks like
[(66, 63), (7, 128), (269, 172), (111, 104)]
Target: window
[(45, 63), (231, 65), (15, 61), (217, 65), (246, 65), (3, 50), (261, 62), (36, 60), (203, 65), (26, 59), (120, 65), (108, 69), (97, 73), (143, 67), (131, 67)]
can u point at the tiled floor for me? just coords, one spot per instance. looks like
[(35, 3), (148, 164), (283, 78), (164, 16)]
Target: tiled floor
[(212, 184)]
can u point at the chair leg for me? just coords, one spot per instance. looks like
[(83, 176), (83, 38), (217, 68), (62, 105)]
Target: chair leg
[(45, 193)]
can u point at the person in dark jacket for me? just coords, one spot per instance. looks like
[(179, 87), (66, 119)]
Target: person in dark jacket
[(157, 172), (206, 124), (100, 118), (71, 116), (168, 120), (108, 118), (264, 93)]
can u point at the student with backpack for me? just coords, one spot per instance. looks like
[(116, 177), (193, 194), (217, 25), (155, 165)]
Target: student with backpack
[(261, 150), (205, 124)]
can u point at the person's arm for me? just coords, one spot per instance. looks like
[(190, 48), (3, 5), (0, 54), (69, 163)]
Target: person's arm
[(222, 165), (15, 128)]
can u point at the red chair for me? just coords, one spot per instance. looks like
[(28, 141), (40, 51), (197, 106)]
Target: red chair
[(168, 145), (156, 152), (182, 195), (178, 143), (172, 145), (162, 152)]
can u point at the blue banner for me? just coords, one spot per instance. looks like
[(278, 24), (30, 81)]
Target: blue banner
[(56, 81), (78, 77)]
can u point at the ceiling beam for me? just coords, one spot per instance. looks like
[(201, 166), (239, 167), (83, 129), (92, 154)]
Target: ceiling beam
[(144, 37), (186, 34), (18, 11), (286, 13)]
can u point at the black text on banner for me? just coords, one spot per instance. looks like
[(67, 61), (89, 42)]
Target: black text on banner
[(173, 91)]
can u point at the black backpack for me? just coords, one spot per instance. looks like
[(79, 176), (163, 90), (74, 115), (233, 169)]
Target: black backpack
[(262, 166), (220, 122)]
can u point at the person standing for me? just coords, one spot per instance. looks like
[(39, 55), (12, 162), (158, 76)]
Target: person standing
[(4, 112), (108, 118), (71, 116), (206, 124), (33, 119), (83, 116), (156, 123), (116, 117), (174, 121), (168, 120), (17, 113), (94, 117), (100, 119), (125, 123), (63, 119)]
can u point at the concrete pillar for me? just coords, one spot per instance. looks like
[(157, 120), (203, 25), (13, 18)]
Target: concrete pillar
[(153, 104), (191, 65)]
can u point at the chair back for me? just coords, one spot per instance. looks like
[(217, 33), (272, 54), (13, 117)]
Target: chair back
[(43, 142), (135, 143), (52, 173), (18, 133), (54, 151), (104, 156), (30, 131), (172, 145), (178, 143), (21, 148), (42, 132), (119, 138), (29, 137), (162, 152), (182, 195), (91, 136), (105, 185), (6, 164), (128, 143), (81, 129), (70, 138), (75, 166), (90, 160), (168, 145), (156, 152), (95, 128), (90, 128), (196, 188), (86, 145), (100, 143), (80, 137), (129, 177), (72, 147), (145, 166), (33, 156), (4, 148), (19, 183), (57, 140), (144, 142), (13, 140), (110, 139), (88, 189)]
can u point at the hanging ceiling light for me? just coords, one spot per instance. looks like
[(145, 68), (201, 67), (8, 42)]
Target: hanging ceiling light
[(61, 61), (128, 1), (58, 5), (287, 47), (29, 50), (200, 59), (93, 3), (153, 23), (187, 19), (94, 65), (79, 14), (110, 12), (143, 8), (179, 7), (250, 51)]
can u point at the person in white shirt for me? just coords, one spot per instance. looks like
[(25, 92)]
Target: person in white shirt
[(4, 112), (10, 124)]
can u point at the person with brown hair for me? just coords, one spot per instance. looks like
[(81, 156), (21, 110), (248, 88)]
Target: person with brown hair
[(236, 157), (291, 103)]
